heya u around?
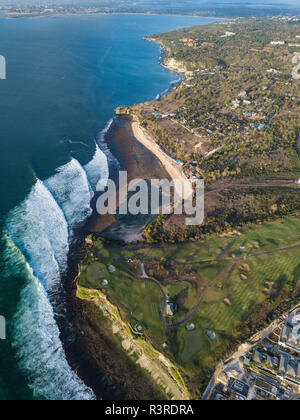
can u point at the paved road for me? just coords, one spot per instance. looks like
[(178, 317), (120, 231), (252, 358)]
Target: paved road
[(144, 274), (165, 296)]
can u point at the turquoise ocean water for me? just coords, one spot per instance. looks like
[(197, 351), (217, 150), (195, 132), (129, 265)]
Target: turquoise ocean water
[(65, 76)]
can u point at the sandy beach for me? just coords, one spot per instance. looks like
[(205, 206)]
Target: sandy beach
[(139, 162), (174, 169)]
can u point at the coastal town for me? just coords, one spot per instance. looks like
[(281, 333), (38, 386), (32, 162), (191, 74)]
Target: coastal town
[(267, 367), (203, 128), (45, 9)]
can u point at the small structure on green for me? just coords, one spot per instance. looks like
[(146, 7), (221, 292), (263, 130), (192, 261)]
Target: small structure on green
[(170, 308), (211, 335), (190, 327), (111, 269)]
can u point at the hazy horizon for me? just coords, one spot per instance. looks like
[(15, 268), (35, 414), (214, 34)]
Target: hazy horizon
[(160, 3)]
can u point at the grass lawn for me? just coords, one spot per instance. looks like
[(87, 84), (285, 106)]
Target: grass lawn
[(269, 236), (92, 275)]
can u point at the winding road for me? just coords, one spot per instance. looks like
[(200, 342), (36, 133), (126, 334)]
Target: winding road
[(234, 261)]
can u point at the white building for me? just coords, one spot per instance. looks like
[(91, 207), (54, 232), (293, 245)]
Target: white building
[(289, 369), (290, 334), (228, 34), (278, 43), (190, 327), (236, 103)]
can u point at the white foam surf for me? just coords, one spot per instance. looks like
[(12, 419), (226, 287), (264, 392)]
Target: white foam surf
[(97, 169), (36, 338), (39, 232), (71, 189), (101, 135), (38, 227)]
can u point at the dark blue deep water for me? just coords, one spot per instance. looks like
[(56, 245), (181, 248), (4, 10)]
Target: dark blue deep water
[(65, 77)]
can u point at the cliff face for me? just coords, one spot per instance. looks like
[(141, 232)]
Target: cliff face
[(123, 110), (145, 361), (104, 365), (175, 65)]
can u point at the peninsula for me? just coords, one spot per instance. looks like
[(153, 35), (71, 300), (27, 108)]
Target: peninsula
[(188, 297)]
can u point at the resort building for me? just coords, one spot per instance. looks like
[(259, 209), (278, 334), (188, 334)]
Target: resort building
[(189, 42), (228, 34), (290, 334), (289, 369), (278, 43), (270, 361)]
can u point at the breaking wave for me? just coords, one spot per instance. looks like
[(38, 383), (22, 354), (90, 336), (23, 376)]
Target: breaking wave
[(38, 227), (36, 338), (38, 234), (71, 189), (99, 162)]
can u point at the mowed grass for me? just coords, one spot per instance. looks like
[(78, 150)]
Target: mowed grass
[(142, 302), (193, 342), (283, 269), (92, 275), (210, 271)]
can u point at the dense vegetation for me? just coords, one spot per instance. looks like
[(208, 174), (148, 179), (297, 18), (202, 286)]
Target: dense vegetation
[(234, 120)]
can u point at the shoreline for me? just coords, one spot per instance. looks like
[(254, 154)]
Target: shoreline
[(174, 67), (149, 142), (139, 162), (95, 353), (150, 362), (173, 170), (137, 155), (101, 224)]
